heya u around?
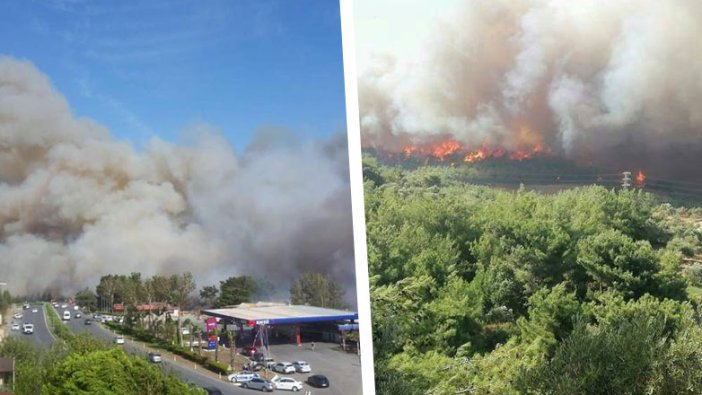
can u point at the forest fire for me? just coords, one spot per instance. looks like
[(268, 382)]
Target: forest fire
[(451, 148), (640, 177)]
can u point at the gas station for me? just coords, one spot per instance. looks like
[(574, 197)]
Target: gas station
[(301, 322)]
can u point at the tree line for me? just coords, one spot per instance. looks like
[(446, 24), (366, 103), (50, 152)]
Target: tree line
[(486, 291)]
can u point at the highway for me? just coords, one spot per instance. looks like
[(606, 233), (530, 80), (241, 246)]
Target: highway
[(42, 337), (77, 325)]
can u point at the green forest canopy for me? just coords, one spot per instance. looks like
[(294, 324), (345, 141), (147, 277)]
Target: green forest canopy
[(481, 291)]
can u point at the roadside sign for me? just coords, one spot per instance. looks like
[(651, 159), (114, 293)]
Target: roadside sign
[(212, 344), (211, 324)]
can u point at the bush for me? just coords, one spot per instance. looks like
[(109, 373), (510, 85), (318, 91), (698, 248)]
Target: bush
[(217, 367)]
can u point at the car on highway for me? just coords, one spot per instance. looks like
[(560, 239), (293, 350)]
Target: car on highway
[(88, 321), (286, 383), (78, 315), (242, 377), (18, 316), (63, 306), (258, 383), (155, 357), (28, 329), (284, 367), (25, 306), (302, 367), (318, 380), (118, 340), (15, 326), (35, 310), (66, 315)]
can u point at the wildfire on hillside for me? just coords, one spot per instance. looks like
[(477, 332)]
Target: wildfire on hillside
[(451, 149)]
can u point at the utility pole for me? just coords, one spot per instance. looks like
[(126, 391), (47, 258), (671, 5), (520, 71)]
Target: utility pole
[(626, 180)]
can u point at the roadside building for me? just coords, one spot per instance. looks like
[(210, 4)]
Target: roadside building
[(263, 323), (7, 373)]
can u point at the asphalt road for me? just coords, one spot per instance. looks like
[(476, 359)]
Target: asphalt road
[(42, 336), (77, 325)]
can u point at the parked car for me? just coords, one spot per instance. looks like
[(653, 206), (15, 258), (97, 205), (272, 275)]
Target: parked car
[(254, 366), (249, 351), (15, 326), (119, 340), (284, 367), (318, 380), (302, 367), (286, 383), (155, 357), (268, 362), (259, 384), (28, 329), (242, 377)]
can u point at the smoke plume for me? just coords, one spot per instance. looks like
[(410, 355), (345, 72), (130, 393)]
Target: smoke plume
[(615, 84), (76, 204)]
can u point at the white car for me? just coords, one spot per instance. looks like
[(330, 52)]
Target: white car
[(242, 377), (75, 308), (28, 329), (78, 315), (66, 315), (63, 306), (17, 316), (34, 310), (15, 326), (286, 383), (302, 367), (118, 340), (155, 357), (284, 367)]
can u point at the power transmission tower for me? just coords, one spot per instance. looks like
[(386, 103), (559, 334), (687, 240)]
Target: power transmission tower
[(626, 180)]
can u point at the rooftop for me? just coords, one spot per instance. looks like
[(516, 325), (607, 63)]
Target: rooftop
[(280, 313)]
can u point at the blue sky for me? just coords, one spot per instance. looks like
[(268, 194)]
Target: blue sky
[(154, 68)]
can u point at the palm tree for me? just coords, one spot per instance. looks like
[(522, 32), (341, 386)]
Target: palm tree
[(192, 334), (214, 332), (230, 341), (199, 341)]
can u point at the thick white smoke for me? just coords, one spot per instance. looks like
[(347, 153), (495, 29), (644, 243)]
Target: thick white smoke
[(610, 82), (76, 204)]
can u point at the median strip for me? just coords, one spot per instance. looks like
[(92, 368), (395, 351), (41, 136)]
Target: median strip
[(56, 325)]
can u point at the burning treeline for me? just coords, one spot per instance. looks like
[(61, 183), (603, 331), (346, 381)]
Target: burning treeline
[(617, 86), (76, 204)]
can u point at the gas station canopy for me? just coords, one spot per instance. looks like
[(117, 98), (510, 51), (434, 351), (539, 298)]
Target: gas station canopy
[(266, 313)]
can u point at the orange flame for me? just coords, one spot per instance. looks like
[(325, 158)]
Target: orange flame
[(640, 177), (446, 148)]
